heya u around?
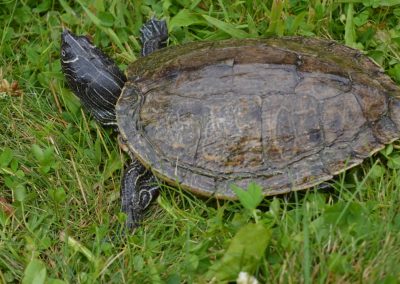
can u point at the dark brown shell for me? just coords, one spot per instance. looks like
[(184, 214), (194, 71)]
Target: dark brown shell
[(287, 113)]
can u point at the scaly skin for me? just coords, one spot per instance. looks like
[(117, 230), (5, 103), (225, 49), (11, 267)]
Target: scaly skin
[(98, 82)]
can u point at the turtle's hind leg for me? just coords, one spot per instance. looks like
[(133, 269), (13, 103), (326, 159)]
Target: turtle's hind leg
[(139, 187), (154, 35)]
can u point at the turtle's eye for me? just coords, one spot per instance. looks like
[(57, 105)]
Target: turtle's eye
[(63, 53)]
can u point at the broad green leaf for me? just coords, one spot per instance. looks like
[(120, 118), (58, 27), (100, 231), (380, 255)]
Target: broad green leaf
[(23, 15), (99, 5), (58, 195), (48, 156), (106, 19), (387, 150), (228, 28), (361, 18), (394, 162), (35, 273), (251, 197), (43, 6), (5, 157), (14, 165), (37, 152), (174, 279), (377, 171), (20, 192), (395, 72), (32, 54), (244, 252), (275, 207)]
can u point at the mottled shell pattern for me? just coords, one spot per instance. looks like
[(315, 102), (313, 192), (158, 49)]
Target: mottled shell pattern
[(287, 113)]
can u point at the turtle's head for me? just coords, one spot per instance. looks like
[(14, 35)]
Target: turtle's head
[(73, 46), (92, 76)]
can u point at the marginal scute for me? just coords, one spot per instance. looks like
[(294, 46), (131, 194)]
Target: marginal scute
[(385, 130), (394, 109), (338, 157), (306, 171), (365, 143), (287, 113), (372, 100)]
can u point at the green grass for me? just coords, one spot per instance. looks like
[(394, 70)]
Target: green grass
[(60, 172)]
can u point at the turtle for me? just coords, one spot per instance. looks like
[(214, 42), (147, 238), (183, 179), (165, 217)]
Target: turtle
[(288, 113)]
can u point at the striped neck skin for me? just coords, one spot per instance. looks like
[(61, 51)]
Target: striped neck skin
[(92, 76)]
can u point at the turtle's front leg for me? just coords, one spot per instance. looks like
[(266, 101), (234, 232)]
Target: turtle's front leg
[(139, 187)]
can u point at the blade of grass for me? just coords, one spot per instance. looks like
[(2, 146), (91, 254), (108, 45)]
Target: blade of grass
[(275, 24), (349, 35), (228, 28), (306, 245)]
